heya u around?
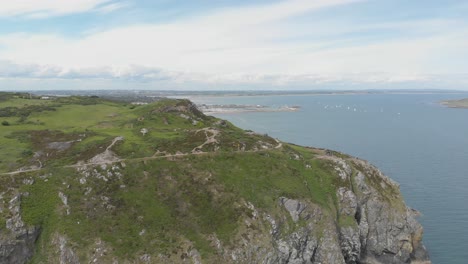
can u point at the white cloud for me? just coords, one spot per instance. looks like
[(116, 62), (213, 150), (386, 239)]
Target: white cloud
[(130, 72), (138, 77), (48, 8), (226, 37), (105, 9), (258, 45), (254, 15)]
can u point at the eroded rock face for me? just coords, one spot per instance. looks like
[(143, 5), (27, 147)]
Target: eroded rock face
[(294, 207), (17, 242), (18, 249), (389, 230), (392, 237), (66, 254), (372, 225)]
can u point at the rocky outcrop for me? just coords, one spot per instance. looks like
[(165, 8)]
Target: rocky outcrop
[(372, 225), (388, 228), (18, 249), (65, 253), (182, 106), (17, 242)]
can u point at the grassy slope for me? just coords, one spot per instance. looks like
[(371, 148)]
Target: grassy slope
[(171, 199), (101, 121), (190, 197)]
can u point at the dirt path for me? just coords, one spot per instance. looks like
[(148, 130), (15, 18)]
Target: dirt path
[(280, 144), (114, 141), (210, 139), (108, 155), (105, 160)]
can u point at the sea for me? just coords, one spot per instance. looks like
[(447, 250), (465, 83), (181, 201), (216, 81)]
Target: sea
[(412, 138)]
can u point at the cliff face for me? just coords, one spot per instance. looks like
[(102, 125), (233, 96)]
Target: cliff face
[(371, 225), (17, 242), (194, 189)]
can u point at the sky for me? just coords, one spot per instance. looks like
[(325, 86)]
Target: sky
[(233, 44)]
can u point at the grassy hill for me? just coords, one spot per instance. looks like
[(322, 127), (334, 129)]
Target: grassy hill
[(86, 179)]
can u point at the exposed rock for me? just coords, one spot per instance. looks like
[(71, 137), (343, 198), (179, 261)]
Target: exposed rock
[(108, 155), (64, 199), (370, 228), (145, 258), (350, 244), (389, 232), (144, 131), (196, 258), (66, 254), (29, 181), (347, 202), (183, 106), (295, 208), (300, 247), (221, 123), (18, 249), (17, 243), (100, 252), (60, 146)]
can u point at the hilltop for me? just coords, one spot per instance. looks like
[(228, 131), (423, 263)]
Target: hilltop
[(88, 180)]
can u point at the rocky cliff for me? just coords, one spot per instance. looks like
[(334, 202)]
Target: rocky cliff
[(195, 189), (17, 242)]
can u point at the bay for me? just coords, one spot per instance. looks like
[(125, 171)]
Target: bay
[(410, 137)]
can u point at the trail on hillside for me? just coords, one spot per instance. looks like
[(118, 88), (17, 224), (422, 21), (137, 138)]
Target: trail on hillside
[(108, 156), (210, 134)]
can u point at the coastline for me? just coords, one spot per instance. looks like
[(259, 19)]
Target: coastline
[(234, 109), (461, 103)]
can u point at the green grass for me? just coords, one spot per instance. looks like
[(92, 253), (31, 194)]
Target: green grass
[(37, 207), (20, 102), (72, 117), (87, 116)]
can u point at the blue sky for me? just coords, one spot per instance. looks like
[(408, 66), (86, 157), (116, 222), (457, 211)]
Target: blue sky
[(226, 44)]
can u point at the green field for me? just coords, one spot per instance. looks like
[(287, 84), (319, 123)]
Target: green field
[(28, 128)]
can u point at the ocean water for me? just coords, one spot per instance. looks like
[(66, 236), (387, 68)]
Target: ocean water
[(410, 137)]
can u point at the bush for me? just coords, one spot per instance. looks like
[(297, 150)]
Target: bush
[(27, 153), (5, 123)]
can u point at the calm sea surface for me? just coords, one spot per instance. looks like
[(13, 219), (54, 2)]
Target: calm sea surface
[(410, 137)]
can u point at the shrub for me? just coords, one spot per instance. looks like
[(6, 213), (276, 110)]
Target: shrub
[(27, 153), (5, 123)]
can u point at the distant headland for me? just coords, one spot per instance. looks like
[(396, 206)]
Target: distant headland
[(461, 103)]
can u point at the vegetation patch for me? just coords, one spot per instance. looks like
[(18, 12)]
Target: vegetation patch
[(41, 200)]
